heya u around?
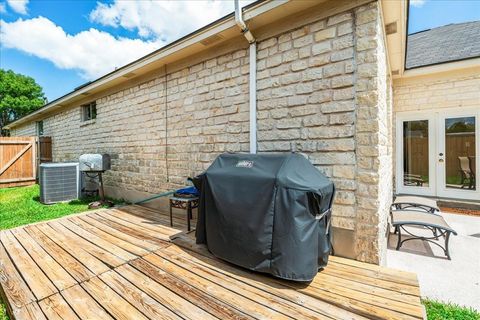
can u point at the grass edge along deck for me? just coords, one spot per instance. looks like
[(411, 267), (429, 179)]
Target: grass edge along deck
[(128, 263)]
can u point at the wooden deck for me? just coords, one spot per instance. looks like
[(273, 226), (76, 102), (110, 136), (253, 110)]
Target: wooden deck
[(128, 264)]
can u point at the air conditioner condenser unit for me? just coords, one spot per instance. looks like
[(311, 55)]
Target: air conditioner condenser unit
[(59, 182)]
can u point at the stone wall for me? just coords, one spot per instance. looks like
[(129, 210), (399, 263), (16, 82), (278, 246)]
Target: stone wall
[(306, 102), (207, 108), (28, 130), (322, 91), (374, 137), (460, 89)]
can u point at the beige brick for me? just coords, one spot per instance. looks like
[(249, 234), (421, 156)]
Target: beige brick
[(289, 123), (330, 158), (342, 118), (303, 41), (300, 32), (319, 60), (336, 145), (325, 34), (334, 69), (345, 28), (347, 172), (299, 65), (366, 16), (338, 106), (342, 55), (267, 43), (274, 61), (346, 198), (321, 47), (316, 120), (342, 81), (339, 18), (331, 132)]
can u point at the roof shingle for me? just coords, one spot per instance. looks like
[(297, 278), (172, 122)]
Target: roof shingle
[(443, 44)]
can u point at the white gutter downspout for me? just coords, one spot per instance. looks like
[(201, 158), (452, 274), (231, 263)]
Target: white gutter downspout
[(252, 76)]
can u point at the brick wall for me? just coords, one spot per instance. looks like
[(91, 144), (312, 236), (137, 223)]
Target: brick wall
[(28, 130), (306, 102), (207, 108), (322, 91), (455, 89)]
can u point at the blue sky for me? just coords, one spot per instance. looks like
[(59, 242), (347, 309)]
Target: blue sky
[(434, 13), (63, 44)]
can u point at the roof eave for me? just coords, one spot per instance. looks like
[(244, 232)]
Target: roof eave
[(446, 66), (222, 24), (395, 12)]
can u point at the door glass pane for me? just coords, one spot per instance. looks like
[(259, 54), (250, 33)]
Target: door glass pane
[(460, 153), (415, 153)]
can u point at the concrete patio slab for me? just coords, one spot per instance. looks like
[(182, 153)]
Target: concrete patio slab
[(456, 280)]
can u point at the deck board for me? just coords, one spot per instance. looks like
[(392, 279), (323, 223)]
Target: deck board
[(55, 307), (36, 280), (52, 269), (128, 263)]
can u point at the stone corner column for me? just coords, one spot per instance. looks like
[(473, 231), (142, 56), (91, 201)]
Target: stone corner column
[(372, 136)]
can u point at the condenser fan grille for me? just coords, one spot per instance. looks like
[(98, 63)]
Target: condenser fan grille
[(59, 182)]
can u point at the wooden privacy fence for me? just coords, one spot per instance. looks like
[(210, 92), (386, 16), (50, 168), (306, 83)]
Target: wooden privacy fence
[(19, 158), (45, 149), (456, 144)]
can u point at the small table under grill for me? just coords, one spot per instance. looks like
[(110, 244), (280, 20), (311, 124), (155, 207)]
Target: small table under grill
[(183, 203)]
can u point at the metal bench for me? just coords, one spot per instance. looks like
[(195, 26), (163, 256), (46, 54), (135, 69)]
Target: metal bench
[(415, 203), (434, 222)]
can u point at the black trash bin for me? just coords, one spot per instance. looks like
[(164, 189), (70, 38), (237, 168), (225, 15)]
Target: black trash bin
[(268, 213)]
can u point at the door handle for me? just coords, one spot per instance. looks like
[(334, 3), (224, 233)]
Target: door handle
[(440, 160)]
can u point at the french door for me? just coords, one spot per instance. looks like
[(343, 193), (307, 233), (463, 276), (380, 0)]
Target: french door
[(438, 153)]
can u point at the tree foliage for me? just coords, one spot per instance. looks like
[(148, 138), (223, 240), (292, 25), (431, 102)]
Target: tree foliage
[(19, 96)]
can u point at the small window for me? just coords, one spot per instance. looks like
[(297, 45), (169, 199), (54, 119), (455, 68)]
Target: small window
[(40, 128), (89, 111)]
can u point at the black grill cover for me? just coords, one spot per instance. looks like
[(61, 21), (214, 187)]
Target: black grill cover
[(268, 213)]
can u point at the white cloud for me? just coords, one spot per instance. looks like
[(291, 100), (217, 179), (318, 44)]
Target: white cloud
[(19, 6), (417, 3), (92, 52), (166, 20)]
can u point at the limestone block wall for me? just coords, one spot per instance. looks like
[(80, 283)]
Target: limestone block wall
[(322, 91), (207, 112), (455, 89), (28, 130), (374, 137)]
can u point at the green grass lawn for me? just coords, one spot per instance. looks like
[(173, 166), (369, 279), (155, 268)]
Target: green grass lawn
[(448, 311), (3, 312), (19, 206)]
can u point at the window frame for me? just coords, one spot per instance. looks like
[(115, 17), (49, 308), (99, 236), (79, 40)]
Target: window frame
[(40, 129), (88, 111)]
